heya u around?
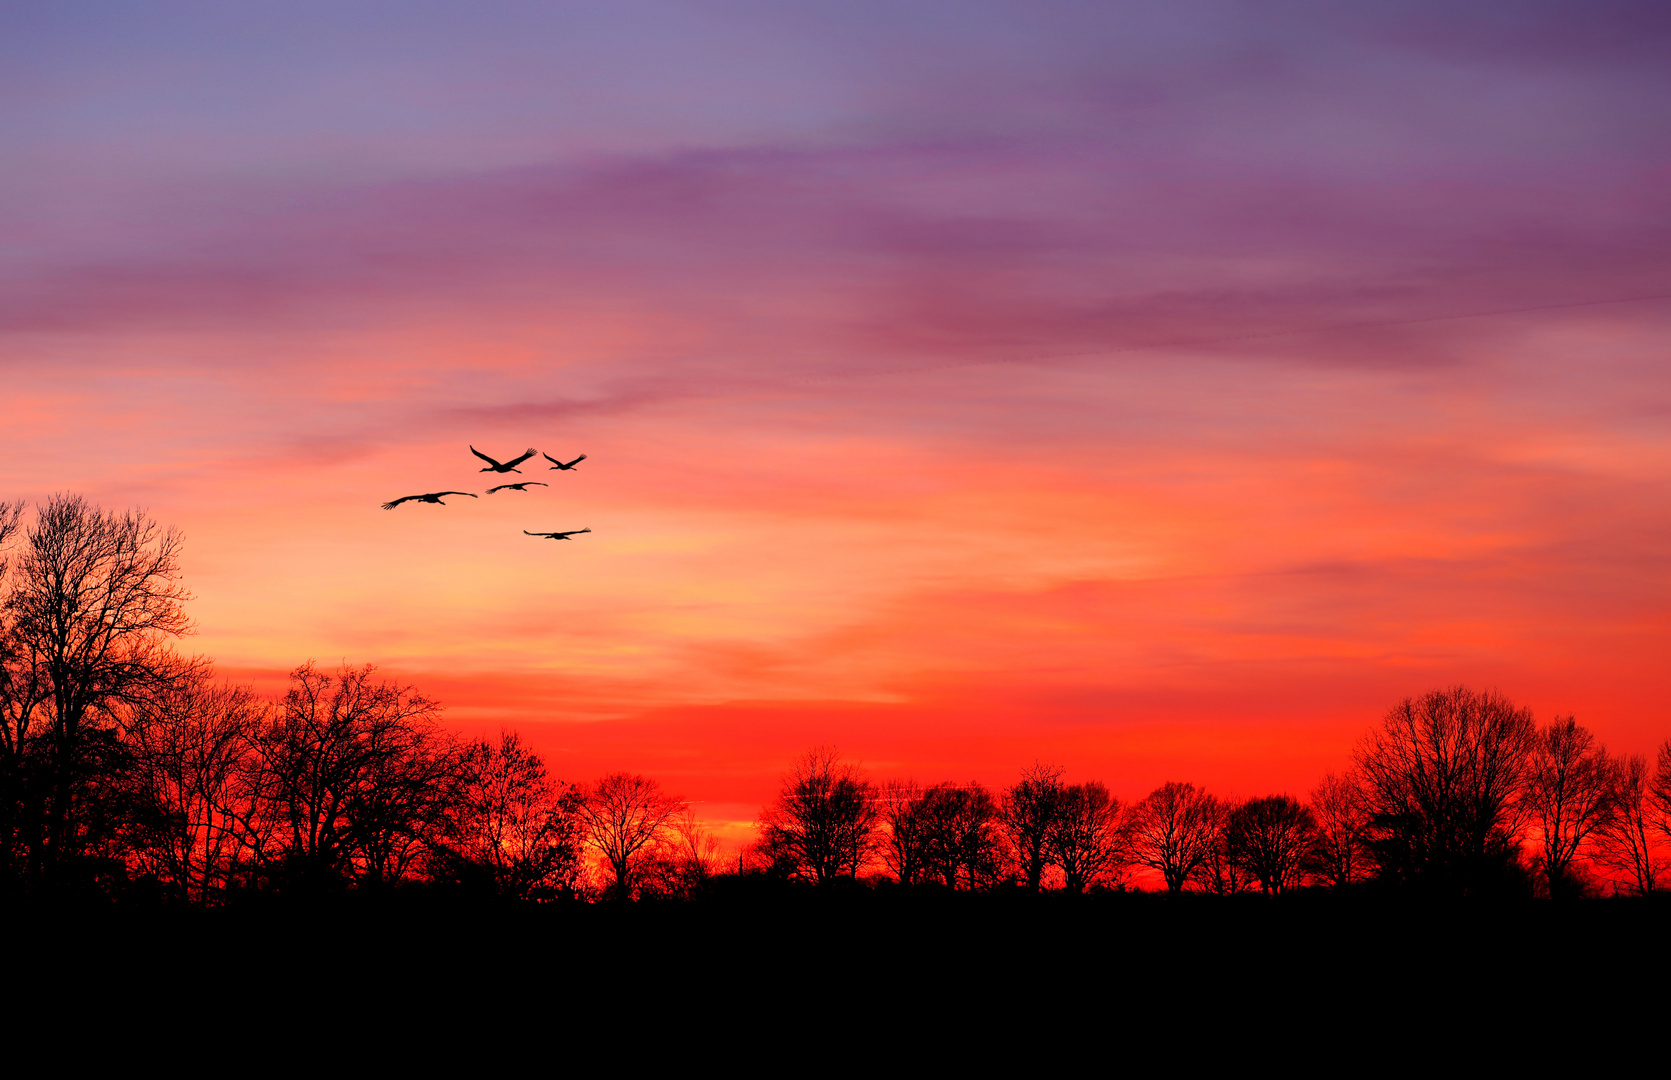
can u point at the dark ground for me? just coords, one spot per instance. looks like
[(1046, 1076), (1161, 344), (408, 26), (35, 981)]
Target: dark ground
[(850, 975)]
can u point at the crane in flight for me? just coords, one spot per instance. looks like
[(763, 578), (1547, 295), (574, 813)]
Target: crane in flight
[(509, 466), (555, 464), (523, 486), (432, 497), (558, 535)]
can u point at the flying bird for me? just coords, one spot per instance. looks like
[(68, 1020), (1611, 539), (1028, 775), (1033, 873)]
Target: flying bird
[(558, 535), (555, 464), (518, 487), (432, 497), (509, 466)]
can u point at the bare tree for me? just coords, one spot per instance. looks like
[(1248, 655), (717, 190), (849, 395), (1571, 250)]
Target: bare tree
[(1339, 854), (1087, 836), (960, 835), (195, 767), (684, 861), (1174, 831), (1569, 796), (359, 775), (624, 815), (823, 823), (517, 824), (1659, 790), (1443, 780), (1029, 814), (1271, 838), (22, 688), (1625, 839), (92, 605), (1223, 872), (903, 840)]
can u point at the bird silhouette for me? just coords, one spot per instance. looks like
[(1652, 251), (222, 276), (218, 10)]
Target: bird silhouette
[(518, 487), (509, 466), (558, 535), (555, 464), (432, 497)]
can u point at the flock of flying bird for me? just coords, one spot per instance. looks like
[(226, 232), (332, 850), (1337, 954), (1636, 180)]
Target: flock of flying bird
[(502, 467)]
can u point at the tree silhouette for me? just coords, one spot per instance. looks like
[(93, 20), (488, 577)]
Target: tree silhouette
[(1659, 790), (1569, 797), (1087, 836), (1224, 872), (195, 770), (1340, 856), (359, 775), (903, 840), (624, 814), (960, 835), (1625, 839), (92, 605), (1029, 815), (683, 862), (515, 824), (823, 823), (1174, 831), (696, 852), (1443, 780), (1272, 839)]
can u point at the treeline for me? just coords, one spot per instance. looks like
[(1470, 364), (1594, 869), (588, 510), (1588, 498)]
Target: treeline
[(1456, 793), (127, 771)]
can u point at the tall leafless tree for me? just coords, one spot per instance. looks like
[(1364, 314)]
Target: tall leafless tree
[(93, 604), (625, 815), (1174, 830), (961, 844), (1444, 777), (1659, 790), (1224, 872), (1340, 856), (21, 690), (697, 849), (1625, 841), (1029, 814), (359, 775), (199, 822), (1271, 838), (515, 823), (1087, 837), (903, 827), (685, 860), (1570, 798), (823, 824)]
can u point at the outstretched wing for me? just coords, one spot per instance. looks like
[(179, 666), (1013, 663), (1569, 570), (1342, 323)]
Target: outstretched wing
[(484, 457), (518, 461), (526, 532), (438, 494), (397, 502), (501, 487), (576, 461), (572, 532)]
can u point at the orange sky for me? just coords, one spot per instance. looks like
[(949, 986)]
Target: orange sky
[(1029, 407)]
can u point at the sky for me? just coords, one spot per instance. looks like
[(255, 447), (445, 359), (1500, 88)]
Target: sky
[(1158, 390)]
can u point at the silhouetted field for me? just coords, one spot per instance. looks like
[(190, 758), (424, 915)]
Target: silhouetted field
[(1145, 954)]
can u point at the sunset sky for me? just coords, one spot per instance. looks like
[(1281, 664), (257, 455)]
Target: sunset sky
[(1161, 390)]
